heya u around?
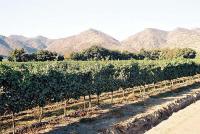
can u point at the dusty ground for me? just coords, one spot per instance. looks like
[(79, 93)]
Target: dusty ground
[(116, 114), (185, 121)]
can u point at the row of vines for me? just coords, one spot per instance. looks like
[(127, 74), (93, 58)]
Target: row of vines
[(28, 85)]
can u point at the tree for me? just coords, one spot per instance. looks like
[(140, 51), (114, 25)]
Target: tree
[(60, 58), (20, 55), (28, 57), (1, 57), (151, 54), (187, 53), (168, 53), (100, 53), (76, 56), (45, 55), (96, 53), (16, 55)]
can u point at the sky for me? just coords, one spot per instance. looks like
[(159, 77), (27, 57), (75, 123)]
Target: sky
[(118, 18)]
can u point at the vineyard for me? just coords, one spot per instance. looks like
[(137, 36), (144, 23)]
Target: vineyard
[(25, 86)]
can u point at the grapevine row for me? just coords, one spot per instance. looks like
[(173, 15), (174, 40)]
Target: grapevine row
[(28, 85)]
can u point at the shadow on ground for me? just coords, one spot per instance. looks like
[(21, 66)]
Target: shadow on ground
[(119, 113)]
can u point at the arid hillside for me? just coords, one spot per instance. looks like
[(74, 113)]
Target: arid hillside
[(82, 41), (154, 38), (148, 39)]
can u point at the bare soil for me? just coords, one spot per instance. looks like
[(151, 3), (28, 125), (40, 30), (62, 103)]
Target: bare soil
[(106, 117)]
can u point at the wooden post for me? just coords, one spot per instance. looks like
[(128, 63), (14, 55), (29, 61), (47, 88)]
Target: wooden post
[(13, 122), (98, 96), (84, 102), (112, 97), (133, 92), (165, 84), (140, 91), (192, 79), (41, 114), (144, 90), (188, 81), (123, 94), (65, 108), (90, 101), (172, 84)]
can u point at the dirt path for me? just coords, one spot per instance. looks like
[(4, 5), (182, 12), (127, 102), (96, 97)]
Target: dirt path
[(117, 114), (185, 121)]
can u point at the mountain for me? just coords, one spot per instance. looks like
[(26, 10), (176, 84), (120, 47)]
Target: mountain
[(30, 45), (149, 38), (83, 41), (155, 38), (64, 46), (35, 43), (183, 38), (4, 46)]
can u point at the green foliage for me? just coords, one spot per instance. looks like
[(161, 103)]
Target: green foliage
[(151, 54), (168, 54), (100, 53), (186, 53), (16, 55), (45, 55), (31, 84), (10, 95), (1, 57), (59, 57), (20, 55), (175, 53)]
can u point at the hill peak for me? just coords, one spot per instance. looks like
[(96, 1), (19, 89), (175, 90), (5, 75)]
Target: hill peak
[(153, 30), (149, 38), (40, 37), (84, 40), (18, 37), (92, 31), (180, 29)]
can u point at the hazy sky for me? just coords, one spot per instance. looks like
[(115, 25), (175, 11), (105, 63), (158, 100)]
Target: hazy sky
[(119, 18)]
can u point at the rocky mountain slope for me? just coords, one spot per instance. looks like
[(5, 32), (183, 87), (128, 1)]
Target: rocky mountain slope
[(7, 44), (154, 38), (82, 41), (64, 46), (148, 39)]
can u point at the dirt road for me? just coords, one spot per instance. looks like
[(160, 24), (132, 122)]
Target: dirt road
[(186, 121), (107, 118)]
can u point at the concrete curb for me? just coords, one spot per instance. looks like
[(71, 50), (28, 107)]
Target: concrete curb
[(145, 121)]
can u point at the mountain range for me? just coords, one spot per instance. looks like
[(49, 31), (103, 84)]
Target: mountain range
[(149, 38)]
